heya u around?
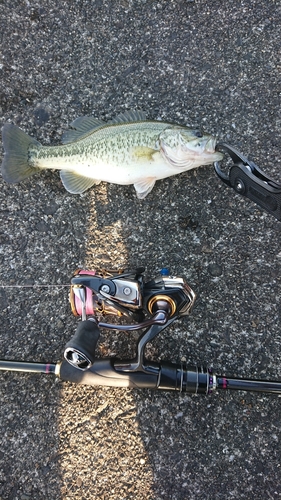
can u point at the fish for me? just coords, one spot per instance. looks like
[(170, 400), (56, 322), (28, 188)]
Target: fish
[(128, 149)]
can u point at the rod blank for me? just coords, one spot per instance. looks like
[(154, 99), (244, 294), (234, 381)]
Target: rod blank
[(22, 366)]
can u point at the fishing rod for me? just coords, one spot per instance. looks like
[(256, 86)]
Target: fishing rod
[(139, 305)]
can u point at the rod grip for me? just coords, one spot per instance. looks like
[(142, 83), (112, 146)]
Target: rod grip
[(103, 373)]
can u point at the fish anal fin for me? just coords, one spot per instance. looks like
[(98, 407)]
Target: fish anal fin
[(144, 187), (75, 183)]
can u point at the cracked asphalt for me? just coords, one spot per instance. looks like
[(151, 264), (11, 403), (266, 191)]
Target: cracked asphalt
[(207, 64)]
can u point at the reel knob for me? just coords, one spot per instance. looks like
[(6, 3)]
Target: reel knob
[(80, 350)]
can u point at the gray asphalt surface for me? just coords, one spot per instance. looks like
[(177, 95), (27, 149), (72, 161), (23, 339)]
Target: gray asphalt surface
[(202, 63)]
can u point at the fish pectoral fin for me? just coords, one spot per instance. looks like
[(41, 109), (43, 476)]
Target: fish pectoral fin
[(144, 187), (143, 153), (75, 183)]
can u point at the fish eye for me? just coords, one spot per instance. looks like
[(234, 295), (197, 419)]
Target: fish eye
[(198, 133)]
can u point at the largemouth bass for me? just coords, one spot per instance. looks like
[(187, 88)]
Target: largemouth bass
[(127, 150)]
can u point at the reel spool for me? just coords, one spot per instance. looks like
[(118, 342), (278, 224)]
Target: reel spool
[(93, 303), (75, 301)]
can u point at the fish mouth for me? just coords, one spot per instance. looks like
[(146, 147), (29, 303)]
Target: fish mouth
[(210, 146), (210, 149), (185, 153)]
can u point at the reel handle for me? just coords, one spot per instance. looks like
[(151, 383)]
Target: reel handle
[(80, 350)]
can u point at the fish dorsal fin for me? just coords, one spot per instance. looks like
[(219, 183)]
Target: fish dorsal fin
[(75, 183), (129, 116), (81, 127), (85, 125)]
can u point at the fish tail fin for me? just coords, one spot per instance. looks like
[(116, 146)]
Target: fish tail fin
[(16, 163)]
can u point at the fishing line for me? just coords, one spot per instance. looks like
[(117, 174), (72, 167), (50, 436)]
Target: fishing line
[(33, 286)]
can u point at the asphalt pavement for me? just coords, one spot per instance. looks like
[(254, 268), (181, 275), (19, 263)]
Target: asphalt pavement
[(209, 64)]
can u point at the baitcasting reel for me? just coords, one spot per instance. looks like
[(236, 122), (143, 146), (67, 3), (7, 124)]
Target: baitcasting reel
[(94, 295)]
